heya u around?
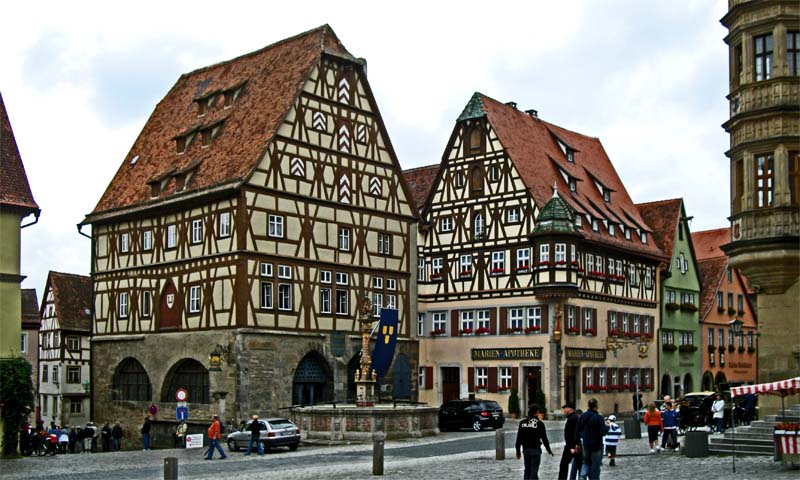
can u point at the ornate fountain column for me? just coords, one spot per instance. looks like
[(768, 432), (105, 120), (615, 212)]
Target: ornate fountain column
[(365, 377)]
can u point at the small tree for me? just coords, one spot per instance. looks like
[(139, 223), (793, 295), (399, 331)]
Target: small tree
[(16, 401), (513, 402)]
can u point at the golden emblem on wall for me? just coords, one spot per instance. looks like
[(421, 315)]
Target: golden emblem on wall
[(642, 350)]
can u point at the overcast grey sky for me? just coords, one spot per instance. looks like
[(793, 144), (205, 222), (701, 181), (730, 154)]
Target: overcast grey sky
[(649, 78)]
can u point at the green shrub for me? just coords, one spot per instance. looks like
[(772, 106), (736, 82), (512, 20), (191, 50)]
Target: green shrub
[(513, 402), (16, 397)]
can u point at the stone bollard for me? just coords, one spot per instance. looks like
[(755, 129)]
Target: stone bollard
[(377, 453), (170, 468), (499, 444)]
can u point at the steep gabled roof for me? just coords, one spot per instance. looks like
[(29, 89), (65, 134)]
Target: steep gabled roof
[(72, 298), (708, 242), (14, 188), (30, 309), (269, 80), (712, 271), (533, 146), (663, 217), (420, 180)]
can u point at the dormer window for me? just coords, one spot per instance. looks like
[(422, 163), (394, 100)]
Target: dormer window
[(570, 155), (459, 179), (644, 237), (611, 229), (229, 98), (607, 195), (206, 136), (595, 225), (572, 185), (627, 234), (476, 180), (202, 107), (180, 144), (494, 173), (578, 221)]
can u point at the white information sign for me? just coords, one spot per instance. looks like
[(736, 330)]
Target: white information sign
[(194, 441)]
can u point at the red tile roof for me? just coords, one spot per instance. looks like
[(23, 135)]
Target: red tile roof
[(712, 271), (30, 309), (271, 78), (72, 295), (531, 143), (14, 187), (707, 243), (420, 180), (663, 217)]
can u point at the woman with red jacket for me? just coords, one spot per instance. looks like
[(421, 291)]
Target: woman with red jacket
[(654, 425)]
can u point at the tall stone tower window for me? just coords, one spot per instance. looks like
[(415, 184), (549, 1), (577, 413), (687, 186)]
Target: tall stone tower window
[(793, 53), (763, 57), (764, 180)]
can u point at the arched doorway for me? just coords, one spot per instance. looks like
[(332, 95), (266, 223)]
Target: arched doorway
[(708, 381), (676, 387), (401, 377), (665, 385), (312, 381), (688, 383), (131, 382), (169, 317), (719, 379), (190, 375)]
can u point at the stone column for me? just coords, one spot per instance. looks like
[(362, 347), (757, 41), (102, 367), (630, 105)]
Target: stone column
[(780, 64)]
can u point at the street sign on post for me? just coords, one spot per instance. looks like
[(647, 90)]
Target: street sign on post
[(182, 413)]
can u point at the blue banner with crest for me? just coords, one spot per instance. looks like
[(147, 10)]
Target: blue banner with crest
[(385, 342)]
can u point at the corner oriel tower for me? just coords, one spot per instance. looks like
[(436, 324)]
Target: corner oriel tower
[(764, 127)]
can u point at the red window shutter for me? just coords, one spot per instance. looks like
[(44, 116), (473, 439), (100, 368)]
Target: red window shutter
[(579, 319), (596, 381), (651, 322), (642, 320), (493, 321), (503, 321), (515, 377), (428, 378), (545, 319), (454, 327), (608, 377), (594, 320), (492, 379), (471, 379)]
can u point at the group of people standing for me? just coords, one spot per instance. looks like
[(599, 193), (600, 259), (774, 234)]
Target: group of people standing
[(68, 439)]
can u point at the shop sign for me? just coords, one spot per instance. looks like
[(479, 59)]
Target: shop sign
[(594, 354), (507, 353)]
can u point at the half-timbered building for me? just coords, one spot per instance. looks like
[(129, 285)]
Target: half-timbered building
[(65, 349), (261, 203), (536, 271)]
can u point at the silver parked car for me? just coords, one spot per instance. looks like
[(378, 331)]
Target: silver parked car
[(275, 432)]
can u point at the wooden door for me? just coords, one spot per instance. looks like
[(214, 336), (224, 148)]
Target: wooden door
[(170, 308), (451, 384), (571, 382), (533, 382)]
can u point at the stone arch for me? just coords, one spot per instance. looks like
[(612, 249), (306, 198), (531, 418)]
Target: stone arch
[(708, 381), (191, 375), (312, 382), (131, 382), (719, 378), (401, 377), (666, 385), (688, 383)]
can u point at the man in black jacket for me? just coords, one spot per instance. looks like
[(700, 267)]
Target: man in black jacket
[(255, 436), (530, 436), (569, 443), (590, 430)]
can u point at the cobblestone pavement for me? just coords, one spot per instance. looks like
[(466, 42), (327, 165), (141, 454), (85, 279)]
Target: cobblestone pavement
[(355, 462)]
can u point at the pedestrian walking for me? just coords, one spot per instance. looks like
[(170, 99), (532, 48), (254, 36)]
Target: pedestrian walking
[(255, 436), (117, 434), (153, 410), (180, 432), (590, 430), (146, 434), (89, 442), (568, 455), (669, 418), (105, 435), (611, 440), (213, 438), (530, 437), (652, 418), (63, 440), (718, 408)]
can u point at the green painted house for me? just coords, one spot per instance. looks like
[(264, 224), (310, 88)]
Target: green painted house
[(678, 337)]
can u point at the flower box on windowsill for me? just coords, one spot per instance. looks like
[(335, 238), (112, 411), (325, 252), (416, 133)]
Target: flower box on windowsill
[(603, 389), (503, 389), (720, 309), (436, 277), (543, 264), (482, 331), (672, 306), (534, 329), (688, 307), (648, 386), (731, 311), (481, 388), (687, 348), (572, 331), (590, 332), (497, 271), (613, 332), (438, 332), (626, 386), (731, 348), (522, 268), (741, 349), (669, 347), (589, 388), (466, 331), (751, 349), (561, 264), (465, 273), (711, 348)]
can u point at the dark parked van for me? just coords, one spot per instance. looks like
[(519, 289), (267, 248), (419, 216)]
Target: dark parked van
[(474, 414)]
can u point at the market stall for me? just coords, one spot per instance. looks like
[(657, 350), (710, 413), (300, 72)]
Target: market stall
[(786, 433)]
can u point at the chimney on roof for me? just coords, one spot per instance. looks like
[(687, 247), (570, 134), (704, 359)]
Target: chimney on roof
[(533, 113), (512, 105)]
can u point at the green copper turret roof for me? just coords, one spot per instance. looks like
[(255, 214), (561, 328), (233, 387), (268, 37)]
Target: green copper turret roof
[(555, 217), (474, 108)]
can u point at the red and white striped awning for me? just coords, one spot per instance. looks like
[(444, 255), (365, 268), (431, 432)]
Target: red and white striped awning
[(782, 388)]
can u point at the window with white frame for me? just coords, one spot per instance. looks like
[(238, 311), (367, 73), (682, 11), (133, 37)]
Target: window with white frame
[(342, 278), (612, 271), (670, 296), (498, 262), (721, 337), (122, 305), (614, 377), (687, 338), (24, 338), (285, 272), (342, 307), (603, 378), (561, 253), (421, 269), (544, 253), (391, 301), (620, 271), (384, 244), (421, 377), (467, 320), (512, 215), (648, 278), (446, 224), (644, 237), (344, 239), (612, 321), (284, 296), (147, 304), (73, 343), (730, 338), (515, 318), (483, 319), (266, 269), (124, 242), (225, 224), (595, 225), (420, 324), (535, 317), (627, 233), (194, 299), (266, 295), (275, 226), (572, 322), (391, 284), (636, 324), (523, 258), (572, 254), (750, 344), (466, 265), (459, 179), (600, 264), (377, 283), (56, 378), (197, 231), (578, 218), (711, 337), (147, 240), (588, 375), (611, 229), (505, 378), (667, 337), (494, 173), (587, 319), (439, 321), (44, 374), (481, 378), (590, 262), (646, 325), (325, 300), (172, 236), (377, 304), (634, 279), (478, 227), (436, 268), (626, 377), (325, 276)]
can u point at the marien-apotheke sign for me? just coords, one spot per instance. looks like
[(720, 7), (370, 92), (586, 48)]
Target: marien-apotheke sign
[(507, 353), (598, 354)]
